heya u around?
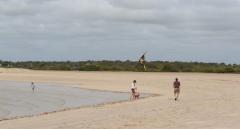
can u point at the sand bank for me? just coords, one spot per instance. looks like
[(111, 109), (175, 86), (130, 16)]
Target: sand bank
[(208, 101)]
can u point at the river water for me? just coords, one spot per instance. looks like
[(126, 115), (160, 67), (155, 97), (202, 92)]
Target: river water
[(17, 98)]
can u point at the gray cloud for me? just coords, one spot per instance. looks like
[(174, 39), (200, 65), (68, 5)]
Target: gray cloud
[(188, 30)]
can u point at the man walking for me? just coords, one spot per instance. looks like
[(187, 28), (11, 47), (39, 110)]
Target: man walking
[(176, 86)]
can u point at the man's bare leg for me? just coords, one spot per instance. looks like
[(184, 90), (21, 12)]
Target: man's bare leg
[(175, 96)]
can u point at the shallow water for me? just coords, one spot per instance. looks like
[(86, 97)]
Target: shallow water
[(17, 98)]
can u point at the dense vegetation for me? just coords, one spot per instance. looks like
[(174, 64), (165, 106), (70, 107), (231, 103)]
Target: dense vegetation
[(153, 66)]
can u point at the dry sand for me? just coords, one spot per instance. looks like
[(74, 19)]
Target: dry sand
[(208, 101)]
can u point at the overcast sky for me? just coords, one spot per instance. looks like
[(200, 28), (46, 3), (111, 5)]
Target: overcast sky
[(174, 30)]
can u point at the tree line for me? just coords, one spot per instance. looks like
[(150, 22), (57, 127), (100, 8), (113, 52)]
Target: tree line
[(105, 65)]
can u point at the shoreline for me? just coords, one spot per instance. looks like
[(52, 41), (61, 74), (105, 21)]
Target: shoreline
[(78, 107)]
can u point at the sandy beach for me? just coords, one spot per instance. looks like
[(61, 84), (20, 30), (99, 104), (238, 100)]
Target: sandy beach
[(207, 101)]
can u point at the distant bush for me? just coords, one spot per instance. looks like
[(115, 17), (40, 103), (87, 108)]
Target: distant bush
[(169, 68), (153, 66)]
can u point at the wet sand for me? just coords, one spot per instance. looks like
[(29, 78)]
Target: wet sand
[(208, 101)]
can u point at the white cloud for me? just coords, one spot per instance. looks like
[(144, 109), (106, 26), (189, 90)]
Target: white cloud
[(72, 28)]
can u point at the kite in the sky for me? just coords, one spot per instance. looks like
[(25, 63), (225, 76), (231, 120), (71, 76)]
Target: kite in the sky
[(142, 61)]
